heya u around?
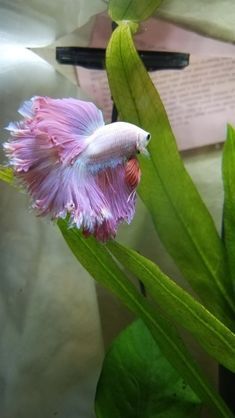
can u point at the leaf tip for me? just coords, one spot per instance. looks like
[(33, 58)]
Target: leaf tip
[(230, 132)]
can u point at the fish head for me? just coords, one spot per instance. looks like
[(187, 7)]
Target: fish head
[(143, 139)]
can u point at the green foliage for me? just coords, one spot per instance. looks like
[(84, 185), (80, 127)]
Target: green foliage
[(229, 200), (96, 259), (135, 10), (179, 215), (138, 381), (180, 306), (6, 174)]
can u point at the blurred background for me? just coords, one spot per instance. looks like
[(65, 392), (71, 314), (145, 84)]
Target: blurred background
[(55, 322)]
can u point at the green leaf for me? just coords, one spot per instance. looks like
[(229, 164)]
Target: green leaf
[(135, 10), (211, 334), (138, 381), (97, 260), (229, 199), (179, 215), (6, 174)]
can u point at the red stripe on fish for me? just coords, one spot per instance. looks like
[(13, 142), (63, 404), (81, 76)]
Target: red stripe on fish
[(132, 173)]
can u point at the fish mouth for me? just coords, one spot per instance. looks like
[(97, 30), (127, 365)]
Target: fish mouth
[(142, 147), (143, 150)]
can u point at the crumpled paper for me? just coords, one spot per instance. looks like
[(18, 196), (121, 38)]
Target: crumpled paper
[(212, 18), (36, 23)]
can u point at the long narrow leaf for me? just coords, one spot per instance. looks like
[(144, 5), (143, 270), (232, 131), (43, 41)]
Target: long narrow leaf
[(100, 264), (213, 335), (179, 215), (135, 10), (229, 199)]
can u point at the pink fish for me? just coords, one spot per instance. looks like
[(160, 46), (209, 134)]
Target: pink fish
[(72, 164)]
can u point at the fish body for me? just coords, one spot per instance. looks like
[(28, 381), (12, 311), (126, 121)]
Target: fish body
[(113, 144)]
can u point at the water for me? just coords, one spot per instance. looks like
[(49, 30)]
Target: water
[(53, 326), (51, 344)]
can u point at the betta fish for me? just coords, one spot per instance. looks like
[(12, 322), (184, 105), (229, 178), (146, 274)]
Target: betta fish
[(75, 166)]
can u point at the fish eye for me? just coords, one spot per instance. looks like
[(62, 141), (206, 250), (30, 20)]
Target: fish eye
[(148, 137)]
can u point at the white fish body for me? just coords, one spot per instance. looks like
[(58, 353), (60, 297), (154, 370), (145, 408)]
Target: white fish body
[(114, 143)]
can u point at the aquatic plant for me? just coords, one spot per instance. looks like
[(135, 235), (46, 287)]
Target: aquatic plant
[(149, 370)]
